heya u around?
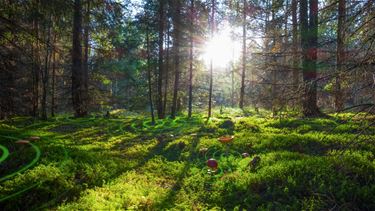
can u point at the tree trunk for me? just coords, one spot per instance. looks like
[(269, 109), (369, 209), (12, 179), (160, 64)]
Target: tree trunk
[(86, 55), (274, 60), (36, 68), (309, 42), (45, 73), (242, 92), (176, 46), (78, 85), (339, 101), (7, 85), (191, 59), (232, 85), (160, 60), (295, 57), (267, 41), (166, 83), (211, 63), (149, 79), (53, 76)]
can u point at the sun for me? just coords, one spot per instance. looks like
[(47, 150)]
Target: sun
[(221, 49)]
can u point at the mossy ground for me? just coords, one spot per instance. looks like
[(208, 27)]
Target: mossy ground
[(123, 162)]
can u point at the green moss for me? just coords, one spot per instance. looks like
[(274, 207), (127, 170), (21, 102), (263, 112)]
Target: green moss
[(124, 163)]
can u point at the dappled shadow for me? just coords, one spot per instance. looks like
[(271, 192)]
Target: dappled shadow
[(317, 124), (80, 167), (100, 151), (169, 199), (326, 125)]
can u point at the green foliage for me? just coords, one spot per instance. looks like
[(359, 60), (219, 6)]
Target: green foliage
[(123, 162)]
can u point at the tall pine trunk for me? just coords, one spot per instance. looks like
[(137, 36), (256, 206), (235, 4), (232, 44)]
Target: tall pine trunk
[(191, 58), (160, 59), (86, 37), (78, 85), (45, 73), (149, 78), (53, 77), (295, 56), (211, 62), (243, 75), (176, 47), (166, 82), (339, 101), (274, 32), (309, 44), (36, 67)]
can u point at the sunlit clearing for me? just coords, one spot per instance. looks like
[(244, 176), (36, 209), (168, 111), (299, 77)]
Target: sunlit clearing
[(221, 49)]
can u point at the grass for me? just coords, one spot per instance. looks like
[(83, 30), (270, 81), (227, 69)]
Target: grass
[(123, 162)]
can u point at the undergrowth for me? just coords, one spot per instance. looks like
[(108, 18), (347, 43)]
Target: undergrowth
[(125, 162)]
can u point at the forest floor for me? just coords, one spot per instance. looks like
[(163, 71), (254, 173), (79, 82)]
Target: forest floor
[(123, 162)]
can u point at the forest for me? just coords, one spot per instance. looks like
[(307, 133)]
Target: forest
[(187, 105)]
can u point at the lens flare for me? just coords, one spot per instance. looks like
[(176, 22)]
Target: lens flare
[(221, 49)]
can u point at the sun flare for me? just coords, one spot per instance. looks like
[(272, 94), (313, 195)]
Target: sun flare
[(221, 49)]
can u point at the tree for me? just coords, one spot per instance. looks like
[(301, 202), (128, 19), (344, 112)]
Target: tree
[(166, 83), (176, 46), (45, 73), (149, 76), (211, 63), (86, 37), (340, 54), (53, 77), (242, 92), (36, 63), (309, 44), (295, 56), (78, 82), (274, 51), (160, 60), (191, 57)]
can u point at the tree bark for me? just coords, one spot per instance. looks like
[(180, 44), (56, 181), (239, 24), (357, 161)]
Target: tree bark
[(86, 55), (36, 67), (295, 57), (243, 75), (53, 76), (166, 83), (78, 85), (274, 59), (232, 85), (45, 73), (149, 78), (339, 101), (7, 86), (211, 62), (191, 58), (160, 59), (309, 42), (176, 46)]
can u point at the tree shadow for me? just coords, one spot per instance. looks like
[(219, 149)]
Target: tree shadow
[(168, 200)]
